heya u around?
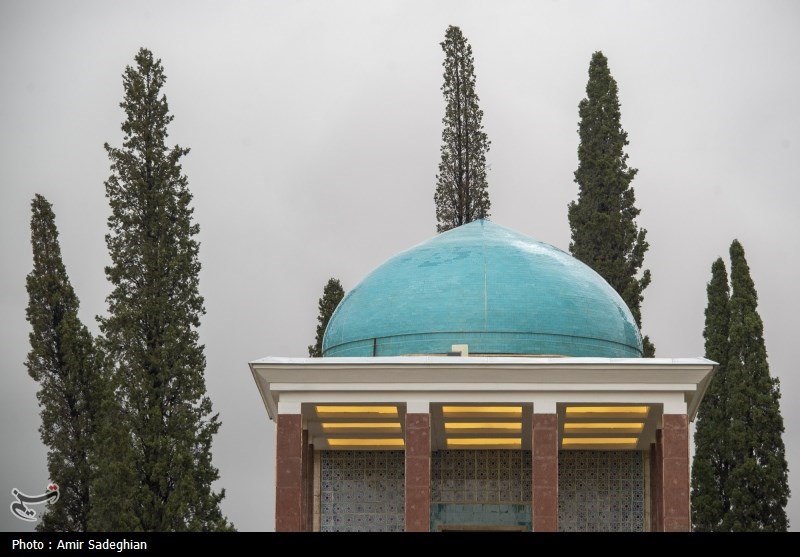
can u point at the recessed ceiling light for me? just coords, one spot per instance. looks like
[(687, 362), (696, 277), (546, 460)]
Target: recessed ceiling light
[(638, 411), (383, 411), (567, 441), (338, 442), (338, 426), (504, 426), (482, 410), (494, 442), (603, 427)]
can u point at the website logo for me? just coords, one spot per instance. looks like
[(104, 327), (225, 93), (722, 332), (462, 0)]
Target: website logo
[(19, 508)]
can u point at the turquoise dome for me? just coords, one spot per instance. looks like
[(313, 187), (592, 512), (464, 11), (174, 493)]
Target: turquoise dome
[(489, 287)]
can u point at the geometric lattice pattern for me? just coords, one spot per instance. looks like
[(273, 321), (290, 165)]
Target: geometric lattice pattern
[(485, 476), (362, 491), (601, 491), (481, 489), (598, 491)]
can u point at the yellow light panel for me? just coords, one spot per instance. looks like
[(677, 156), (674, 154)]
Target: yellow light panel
[(485, 442), (604, 427), (504, 410), (628, 410), (383, 411), (390, 426), (504, 426), (365, 442), (599, 441)]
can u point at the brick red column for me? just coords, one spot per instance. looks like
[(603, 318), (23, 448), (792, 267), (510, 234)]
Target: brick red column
[(289, 492), (675, 473), (418, 473), (545, 473), (656, 485), (307, 459)]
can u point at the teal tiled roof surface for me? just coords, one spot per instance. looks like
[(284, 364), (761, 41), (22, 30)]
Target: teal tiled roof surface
[(487, 286)]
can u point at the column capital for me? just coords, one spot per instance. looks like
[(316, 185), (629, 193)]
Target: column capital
[(418, 407), (544, 407), (675, 407), (286, 407)]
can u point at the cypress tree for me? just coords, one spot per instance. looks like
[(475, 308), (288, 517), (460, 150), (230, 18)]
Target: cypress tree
[(63, 360), (332, 294), (461, 189), (711, 463), (605, 235), (757, 484), (115, 484), (739, 473), (154, 309)]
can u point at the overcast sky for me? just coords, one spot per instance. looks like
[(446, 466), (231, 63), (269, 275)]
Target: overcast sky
[(315, 129)]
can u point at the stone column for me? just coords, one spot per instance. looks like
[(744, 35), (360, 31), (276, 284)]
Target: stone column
[(418, 472), (307, 459), (289, 475), (545, 473), (656, 488), (675, 473)]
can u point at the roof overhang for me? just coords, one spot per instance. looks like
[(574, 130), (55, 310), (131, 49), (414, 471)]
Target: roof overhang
[(677, 383)]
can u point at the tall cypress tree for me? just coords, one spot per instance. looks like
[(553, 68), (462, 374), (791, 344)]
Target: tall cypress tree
[(757, 485), (115, 489), (332, 294), (712, 462), (64, 362), (461, 189), (154, 310), (739, 473), (605, 235)]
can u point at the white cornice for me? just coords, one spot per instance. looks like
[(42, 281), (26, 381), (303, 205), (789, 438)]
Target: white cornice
[(426, 377)]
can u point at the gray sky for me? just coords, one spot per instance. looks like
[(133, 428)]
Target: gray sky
[(315, 130)]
